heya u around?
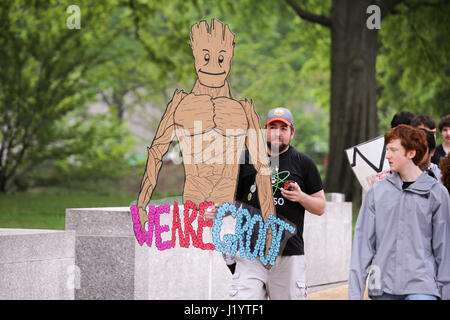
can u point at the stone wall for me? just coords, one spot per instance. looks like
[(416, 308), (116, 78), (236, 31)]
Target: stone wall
[(114, 266), (98, 257), (37, 264)]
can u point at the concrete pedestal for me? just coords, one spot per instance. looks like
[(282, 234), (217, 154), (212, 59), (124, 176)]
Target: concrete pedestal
[(114, 266), (328, 242), (37, 264)]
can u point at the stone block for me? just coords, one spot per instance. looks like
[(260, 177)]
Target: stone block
[(335, 197), (104, 250), (114, 266), (37, 264), (328, 244)]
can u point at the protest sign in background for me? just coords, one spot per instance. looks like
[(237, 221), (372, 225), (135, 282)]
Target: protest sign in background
[(368, 161)]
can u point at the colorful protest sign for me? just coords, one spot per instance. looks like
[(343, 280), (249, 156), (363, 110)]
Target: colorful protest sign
[(212, 128), (248, 227)]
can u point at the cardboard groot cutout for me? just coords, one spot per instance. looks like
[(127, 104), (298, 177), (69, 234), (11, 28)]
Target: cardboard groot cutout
[(211, 128)]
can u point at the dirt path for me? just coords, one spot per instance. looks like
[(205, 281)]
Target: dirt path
[(337, 293)]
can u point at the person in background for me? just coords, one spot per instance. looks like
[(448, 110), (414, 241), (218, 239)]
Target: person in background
[(443, 149), (424, 122), (401, 117), (444, 166), (402, 235), (426, 165)]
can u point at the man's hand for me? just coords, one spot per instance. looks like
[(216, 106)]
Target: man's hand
[(295, 195), (210, 213), (314, 203)]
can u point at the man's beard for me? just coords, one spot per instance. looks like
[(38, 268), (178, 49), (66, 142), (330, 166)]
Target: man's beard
[(282, 147)]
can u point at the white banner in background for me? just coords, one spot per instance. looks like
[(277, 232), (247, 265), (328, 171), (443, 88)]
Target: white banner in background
[(368, 161)]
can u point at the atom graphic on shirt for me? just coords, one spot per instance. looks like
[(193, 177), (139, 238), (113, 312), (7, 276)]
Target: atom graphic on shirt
[(278, 178)]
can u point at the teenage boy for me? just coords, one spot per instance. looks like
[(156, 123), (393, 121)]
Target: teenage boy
[(443, 149), (402, 235), (425, 122)]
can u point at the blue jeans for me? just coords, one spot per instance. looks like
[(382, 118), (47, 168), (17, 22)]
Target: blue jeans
[(387, 296)]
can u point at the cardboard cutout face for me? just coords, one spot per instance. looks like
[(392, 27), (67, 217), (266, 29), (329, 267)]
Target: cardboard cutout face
[(213, 49)]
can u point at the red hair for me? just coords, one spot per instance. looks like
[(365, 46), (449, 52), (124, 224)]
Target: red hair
[(444, 165), (411, 139)]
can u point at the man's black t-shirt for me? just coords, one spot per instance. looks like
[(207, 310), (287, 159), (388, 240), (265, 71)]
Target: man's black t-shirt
[(293, 165)]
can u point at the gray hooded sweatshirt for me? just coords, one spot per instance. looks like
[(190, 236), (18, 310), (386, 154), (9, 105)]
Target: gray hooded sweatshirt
[(402, 240)]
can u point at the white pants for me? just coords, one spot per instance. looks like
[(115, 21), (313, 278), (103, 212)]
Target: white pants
[(284, 281)]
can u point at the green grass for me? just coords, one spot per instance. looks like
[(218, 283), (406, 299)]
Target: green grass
[(47, 210), (44, 207)]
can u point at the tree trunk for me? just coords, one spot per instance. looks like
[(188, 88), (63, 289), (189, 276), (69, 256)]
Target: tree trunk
[(353, 111)]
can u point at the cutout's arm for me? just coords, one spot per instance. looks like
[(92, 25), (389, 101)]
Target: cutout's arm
[(159, 147), (258, 154)]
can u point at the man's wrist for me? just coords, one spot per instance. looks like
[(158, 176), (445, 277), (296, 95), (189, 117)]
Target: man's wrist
[(302, 197)]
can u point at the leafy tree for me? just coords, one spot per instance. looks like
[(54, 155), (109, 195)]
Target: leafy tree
[(43, 87), (413, 65)]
